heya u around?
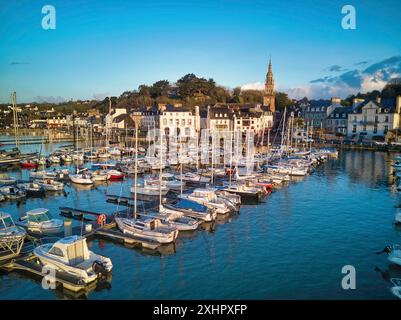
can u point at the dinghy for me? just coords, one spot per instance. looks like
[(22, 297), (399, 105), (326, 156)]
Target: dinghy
[(71, 255)]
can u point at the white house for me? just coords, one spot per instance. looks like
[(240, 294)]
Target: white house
[(182, 119), (374, 118)]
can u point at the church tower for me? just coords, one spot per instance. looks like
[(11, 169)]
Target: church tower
[(269, 95)]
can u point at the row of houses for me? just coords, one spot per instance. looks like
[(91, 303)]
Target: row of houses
[(367, 119), (219, 117)]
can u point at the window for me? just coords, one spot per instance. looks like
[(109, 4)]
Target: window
[(385, 129), (171, 122), (386, 119), (375, 128), (56, 251), (189, 122), (364, 128), (354, 128), (165, 122), (376, 119), (354, 118), (183, 122)]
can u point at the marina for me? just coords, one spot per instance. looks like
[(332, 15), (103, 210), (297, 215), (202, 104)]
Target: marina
[(90, 210)]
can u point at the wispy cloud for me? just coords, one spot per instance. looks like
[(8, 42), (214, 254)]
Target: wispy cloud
[(334, 68), (361, 63), (14, 63), (373, 77)]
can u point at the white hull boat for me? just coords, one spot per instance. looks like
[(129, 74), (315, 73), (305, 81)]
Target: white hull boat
[(40, 221), (81, 179), (71, 255), (151, 229)]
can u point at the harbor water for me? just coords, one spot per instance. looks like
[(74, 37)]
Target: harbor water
[(292, 246)]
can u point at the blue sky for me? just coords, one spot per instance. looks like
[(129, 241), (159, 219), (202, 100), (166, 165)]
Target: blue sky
[(105, 47)]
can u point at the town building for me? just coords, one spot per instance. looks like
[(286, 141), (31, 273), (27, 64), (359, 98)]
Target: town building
[(372, 119), (181, 119), (316, 112)]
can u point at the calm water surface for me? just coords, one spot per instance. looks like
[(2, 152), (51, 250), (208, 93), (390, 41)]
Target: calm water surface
[(292, 246)]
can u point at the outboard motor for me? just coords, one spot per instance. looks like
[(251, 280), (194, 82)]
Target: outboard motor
[(99, 268), (387, 250)]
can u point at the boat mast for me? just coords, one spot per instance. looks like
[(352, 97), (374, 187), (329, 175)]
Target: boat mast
[(282, 132), (181, 164), (136, 170), (15, 118), (161, 169)]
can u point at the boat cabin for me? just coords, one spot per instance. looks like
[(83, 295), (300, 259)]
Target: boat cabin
[(73, 250), (6, 221), (208, 193), (38, 215)]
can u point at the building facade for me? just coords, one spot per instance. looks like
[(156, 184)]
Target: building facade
[(374, 118), (181, 119)]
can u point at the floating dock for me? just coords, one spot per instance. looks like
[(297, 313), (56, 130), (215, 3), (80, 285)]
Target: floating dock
[(31, 264)]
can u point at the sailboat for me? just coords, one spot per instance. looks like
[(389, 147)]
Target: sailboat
[(149, 228)]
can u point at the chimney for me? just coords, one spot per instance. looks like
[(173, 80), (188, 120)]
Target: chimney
[(379, 100)]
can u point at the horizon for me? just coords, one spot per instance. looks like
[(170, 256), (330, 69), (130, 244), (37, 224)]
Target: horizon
[(104, 48)]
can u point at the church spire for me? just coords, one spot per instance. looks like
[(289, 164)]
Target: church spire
[(269, 94)]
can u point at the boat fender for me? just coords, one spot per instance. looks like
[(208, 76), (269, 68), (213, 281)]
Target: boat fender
[(101, 219)]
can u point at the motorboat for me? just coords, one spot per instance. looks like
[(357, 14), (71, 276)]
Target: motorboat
[(148, 228), (208, 198), (246, 193), (40, 221), (190, 209), (99, 175), (5, 179), (190, 177), (150, 187), (115, 175), (28, 164), (32, 189), (71, 255), (50, 185), (11, 237), (171, 182), (12, 193)]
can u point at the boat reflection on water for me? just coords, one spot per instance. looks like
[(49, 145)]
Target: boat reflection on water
[(97, 286)]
